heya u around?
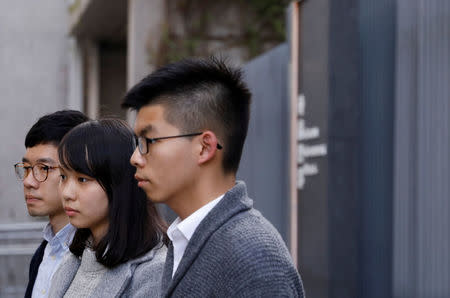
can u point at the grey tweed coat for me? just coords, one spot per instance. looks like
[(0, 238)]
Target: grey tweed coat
[(234, 252)]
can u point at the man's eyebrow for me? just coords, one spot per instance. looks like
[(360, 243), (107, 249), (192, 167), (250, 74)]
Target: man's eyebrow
[(146, 130), (40, 160), (46, 160)]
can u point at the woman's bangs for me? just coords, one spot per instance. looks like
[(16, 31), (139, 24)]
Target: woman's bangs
[(74, 154)]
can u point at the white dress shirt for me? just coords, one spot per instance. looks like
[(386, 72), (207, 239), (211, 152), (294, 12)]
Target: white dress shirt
[(181, 231), (57, 247)]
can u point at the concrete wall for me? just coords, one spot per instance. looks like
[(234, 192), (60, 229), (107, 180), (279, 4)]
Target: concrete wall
[(34, 64), (146, 19), (33, 68)]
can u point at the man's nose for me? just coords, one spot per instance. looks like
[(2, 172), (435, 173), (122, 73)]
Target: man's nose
[(29, 181), (137, 159)]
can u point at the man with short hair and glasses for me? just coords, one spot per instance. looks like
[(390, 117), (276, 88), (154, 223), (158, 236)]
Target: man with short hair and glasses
[(39, 174), (191, 124)]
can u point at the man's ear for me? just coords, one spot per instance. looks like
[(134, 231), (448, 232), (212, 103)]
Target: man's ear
[(209, 144)]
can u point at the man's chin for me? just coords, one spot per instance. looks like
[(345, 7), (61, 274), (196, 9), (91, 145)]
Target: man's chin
[(35, 213), (152, 198)]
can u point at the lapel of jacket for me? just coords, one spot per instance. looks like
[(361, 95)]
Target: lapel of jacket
[(34, 267), (115, 280), (67, 272), (234, 202), (39, 255), (37, 260), (168, 268)]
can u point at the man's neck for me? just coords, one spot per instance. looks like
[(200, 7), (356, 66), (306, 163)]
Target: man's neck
[(201, 195), (58, 221)]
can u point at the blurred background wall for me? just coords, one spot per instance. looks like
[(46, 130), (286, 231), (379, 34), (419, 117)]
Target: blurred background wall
[(374, 77), (34, 51)]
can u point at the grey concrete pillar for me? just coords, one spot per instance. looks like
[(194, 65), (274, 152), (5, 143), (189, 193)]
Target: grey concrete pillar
[(146, 21)]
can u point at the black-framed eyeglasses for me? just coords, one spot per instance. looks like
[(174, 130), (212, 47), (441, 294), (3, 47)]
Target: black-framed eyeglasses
[(39, 170), (142, 142)]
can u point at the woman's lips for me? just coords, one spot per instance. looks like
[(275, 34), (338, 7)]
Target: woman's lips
[(70, 211)]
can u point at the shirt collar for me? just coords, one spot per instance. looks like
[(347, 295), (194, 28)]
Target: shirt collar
[(188, 226), (172, 228), (63, 237)]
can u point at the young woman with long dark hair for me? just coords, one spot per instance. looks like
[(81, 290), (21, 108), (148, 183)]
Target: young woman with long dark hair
[(118, 248)]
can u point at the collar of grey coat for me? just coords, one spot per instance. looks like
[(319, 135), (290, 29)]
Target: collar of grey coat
[(234, 202), (113, 281)]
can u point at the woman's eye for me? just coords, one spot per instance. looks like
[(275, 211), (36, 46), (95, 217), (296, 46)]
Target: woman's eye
[(82, 179), (63, 177)]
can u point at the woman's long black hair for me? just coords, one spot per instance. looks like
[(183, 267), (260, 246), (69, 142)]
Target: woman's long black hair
[(102, 150)]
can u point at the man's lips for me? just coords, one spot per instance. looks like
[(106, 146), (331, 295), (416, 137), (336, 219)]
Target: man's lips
[(141, 181), (70, 211), (31, 199)]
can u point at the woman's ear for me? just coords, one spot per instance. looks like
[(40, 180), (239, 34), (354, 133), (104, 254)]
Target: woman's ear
[(210, 145)]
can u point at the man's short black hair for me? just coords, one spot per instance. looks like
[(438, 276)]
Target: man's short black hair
[(198, 95), (51, 128)]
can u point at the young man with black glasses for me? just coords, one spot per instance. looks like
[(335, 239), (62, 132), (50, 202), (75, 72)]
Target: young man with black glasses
[(191, 124), (39, 174)]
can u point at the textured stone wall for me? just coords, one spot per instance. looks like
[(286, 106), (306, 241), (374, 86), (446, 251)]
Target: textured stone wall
[(234, 29)]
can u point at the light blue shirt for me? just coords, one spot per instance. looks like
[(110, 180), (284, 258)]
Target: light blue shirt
[(57, 247)]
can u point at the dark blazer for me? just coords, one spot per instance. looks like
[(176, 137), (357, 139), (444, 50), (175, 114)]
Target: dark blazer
[(34, 267), (234, 252)]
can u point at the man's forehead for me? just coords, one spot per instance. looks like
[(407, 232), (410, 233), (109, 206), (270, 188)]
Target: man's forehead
[(143, 125), (148, 118), (44, 153)]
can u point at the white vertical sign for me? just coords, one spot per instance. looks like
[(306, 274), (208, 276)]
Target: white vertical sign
[(305, 167)]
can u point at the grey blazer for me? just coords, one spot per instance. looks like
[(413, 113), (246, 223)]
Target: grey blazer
[(140, 277)]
